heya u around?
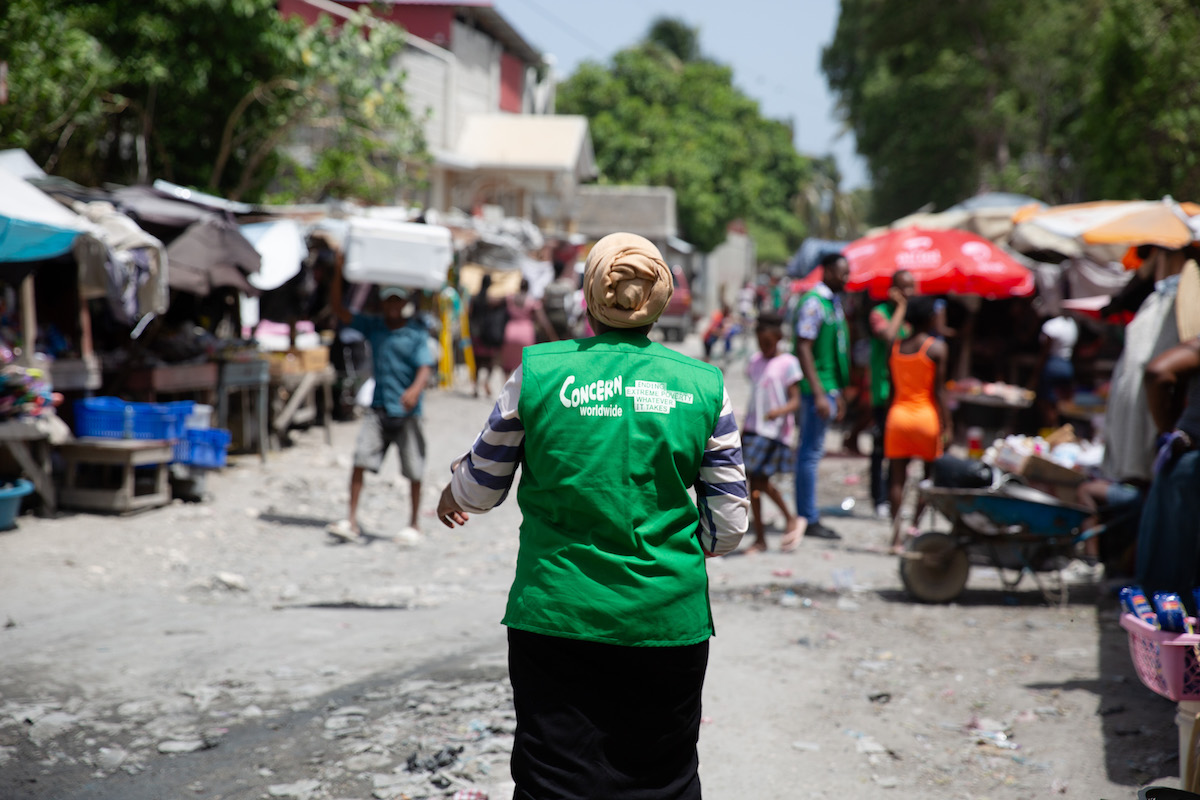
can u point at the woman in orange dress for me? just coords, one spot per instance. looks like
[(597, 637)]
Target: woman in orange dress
[(917, 423)]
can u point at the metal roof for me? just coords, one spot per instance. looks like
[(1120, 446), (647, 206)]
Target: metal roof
[(485, 17), (543, 142)]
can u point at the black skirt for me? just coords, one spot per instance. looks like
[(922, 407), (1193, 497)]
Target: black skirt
[(605, 722)]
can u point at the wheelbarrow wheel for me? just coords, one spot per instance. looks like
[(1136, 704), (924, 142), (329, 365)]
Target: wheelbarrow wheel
[(934, 568)]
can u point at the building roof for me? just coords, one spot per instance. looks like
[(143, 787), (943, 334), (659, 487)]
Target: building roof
[(485, 16), (535, 142), (645, 210)]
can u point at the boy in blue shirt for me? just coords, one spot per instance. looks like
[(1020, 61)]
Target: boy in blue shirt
[(403, 363)]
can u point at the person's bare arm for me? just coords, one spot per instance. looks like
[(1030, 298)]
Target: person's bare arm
[(337, 303), (1164, 377), (790, 407), (888, 332), (940, 354), (413, 393)]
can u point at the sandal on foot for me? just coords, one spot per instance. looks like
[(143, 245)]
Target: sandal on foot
[(342, 529)]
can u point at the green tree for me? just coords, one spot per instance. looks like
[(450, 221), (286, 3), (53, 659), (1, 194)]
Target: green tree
[(167, 103), (1141, 113), (1066, 100), (659, 119), (924, 86), (58, 77)]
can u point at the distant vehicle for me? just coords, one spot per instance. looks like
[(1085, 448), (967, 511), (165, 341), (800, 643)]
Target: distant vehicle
[(676, 321)]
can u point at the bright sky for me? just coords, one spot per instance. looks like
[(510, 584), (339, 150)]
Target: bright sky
[(774, 49)]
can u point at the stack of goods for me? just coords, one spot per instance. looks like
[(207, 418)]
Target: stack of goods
[(1001, 392), (23, 393), (1168, 613)]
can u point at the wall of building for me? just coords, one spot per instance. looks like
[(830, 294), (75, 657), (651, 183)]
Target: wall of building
[(478, 78), (512, 83), (429, 86), (726, 269)]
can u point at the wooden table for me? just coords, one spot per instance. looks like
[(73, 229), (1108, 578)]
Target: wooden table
[(147, 383), (30, 448), (294, 400), (1002, 412), (125, 455), (245, 377)]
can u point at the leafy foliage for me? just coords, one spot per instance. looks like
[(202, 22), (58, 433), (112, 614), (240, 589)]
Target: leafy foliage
[(58, 75), (1063, 99), (660, 119), (146, 94)]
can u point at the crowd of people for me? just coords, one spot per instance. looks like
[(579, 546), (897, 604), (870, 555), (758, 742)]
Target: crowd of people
[(600, 417)]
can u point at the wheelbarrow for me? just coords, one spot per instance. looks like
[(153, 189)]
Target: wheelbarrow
[(1010, 526)]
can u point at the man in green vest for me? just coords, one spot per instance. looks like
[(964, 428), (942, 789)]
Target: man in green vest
[(887, 323), (608, 616), (823, 346)]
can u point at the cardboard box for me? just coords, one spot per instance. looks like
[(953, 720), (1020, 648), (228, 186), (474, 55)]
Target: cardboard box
[(1039, 468), (297, 362)]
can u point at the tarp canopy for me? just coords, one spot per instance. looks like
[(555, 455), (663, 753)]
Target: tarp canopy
[(33, 227), (162, 216), (281, 247), (211, 254), (811, 251), (1009, 200)]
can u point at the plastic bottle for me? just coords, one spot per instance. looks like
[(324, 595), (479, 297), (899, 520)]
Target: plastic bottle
[(975, 442), (128, 421)]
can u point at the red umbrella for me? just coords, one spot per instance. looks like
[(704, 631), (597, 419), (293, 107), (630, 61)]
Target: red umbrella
[(941, 261)]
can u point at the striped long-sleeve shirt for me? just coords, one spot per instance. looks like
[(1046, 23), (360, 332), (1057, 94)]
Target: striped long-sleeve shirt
[(483, 476)]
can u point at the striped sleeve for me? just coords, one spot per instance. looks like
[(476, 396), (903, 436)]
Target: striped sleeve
[(721, 493), (484, 474)]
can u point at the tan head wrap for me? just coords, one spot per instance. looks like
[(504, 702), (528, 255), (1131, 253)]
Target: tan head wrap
[(626, 282)]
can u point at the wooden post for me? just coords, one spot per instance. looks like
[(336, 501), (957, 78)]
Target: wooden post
[(28, 321), (86, 348)]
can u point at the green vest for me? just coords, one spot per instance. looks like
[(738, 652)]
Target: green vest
[(615, 429), (881, 383), (831, 349)]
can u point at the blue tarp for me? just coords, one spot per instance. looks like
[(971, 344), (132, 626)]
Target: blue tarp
[(811, 252), (33, 227), (32, 241)]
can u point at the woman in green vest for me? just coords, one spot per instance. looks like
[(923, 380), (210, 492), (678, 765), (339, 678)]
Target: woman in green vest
[(608, 616)]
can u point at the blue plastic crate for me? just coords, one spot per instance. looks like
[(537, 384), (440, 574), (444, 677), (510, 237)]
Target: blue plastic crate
[(203, 447), (114, 418)]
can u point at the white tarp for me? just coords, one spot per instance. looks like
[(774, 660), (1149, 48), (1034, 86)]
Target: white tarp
[(281, 245)]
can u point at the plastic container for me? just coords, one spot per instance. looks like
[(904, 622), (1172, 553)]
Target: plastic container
[(975, 442), (10, 501), (203, 447), (1166, 662), (398, 253), (114, 418), (200, 418)]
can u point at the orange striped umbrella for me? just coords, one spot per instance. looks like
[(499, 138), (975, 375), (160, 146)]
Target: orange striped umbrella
[(1126, 223)]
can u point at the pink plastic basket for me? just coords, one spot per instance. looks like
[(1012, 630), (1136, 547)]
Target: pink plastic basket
[(1166, 662)]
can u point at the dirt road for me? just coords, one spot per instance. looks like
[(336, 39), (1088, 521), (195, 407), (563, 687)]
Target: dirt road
[(230, 649)]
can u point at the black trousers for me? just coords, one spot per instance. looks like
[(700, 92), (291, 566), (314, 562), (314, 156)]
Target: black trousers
[(879, 486), (605, 722)]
